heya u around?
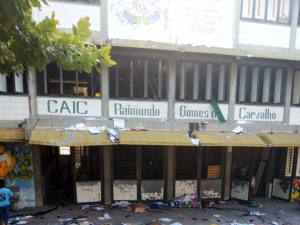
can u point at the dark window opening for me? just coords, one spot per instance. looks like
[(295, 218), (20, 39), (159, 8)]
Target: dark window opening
[(56, 81), (87, 163), (141, 78), (186, 164), (152, 163), (124, 163)]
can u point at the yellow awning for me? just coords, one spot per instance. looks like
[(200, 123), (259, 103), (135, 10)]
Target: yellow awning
[(229, 139), (54, 137), (165, 138), (281, 139), (11, 135)]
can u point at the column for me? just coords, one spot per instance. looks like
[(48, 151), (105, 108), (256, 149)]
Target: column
[(228, 165), (288, 95), (232, 90), (170, 171), (37, 171), (171, 88), (31, 82), (105, 91), (107, 158)]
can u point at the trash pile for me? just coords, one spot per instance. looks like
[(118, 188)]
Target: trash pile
[(72, 221), (20, 220), (186, 201)]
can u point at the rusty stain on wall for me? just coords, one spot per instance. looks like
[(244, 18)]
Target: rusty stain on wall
[(183, 187), (152, 190), (125, 190), (88, 192)]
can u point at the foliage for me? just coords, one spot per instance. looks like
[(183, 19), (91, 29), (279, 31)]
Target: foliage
[(24, 41)]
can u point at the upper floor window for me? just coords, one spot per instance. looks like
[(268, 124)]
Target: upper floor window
[(136, 77), (296, 89), (257, 84), (55, 81), (13, 84), (201, 81), (276, 11)]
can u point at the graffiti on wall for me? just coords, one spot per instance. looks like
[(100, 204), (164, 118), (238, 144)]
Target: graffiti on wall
[(17, 170), (295, 194)]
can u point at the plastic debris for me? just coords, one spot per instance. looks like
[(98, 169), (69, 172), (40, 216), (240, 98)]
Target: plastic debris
[(121, 205), (186, 201), (165, 219), (113, 135)]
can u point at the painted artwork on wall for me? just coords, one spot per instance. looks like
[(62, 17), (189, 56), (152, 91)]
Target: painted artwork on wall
[(17, 170), (295, 194)]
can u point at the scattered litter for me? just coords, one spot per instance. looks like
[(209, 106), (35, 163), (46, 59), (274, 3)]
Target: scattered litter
[(235, 223), (274, 223), (85, 206), (139, 209), (119, 123), (93, 130), (195, 141), (254, 213), (21, 222), (176, 223), (121, 205), (113, 135), (186, 201), (238, 130), (106, 216), (165, 219)]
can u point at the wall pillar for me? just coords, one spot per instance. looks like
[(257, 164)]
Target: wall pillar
[(37, 171), (228, 165), (105, 91), (288, 95), (171, 88), (31, 83), (232, 90), (170, 172), (107, 187)]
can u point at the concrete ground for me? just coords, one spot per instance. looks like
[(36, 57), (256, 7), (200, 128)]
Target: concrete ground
[(276, 212)]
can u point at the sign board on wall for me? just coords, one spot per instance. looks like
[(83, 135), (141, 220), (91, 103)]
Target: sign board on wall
[(69, 106), (138, 109), (14, 107), (259, 113), (294, 116), (196, 22), (195, 111)]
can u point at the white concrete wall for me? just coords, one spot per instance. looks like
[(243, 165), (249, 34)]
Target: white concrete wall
[(69, 13), (14, 107), (268, 35), (297, 45)]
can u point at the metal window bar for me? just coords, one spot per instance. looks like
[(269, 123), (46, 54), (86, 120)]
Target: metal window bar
[(182, 81), (159, 86), (254, 84), (242, 84), (221, 85), (61, 84), (45, 75), (278, 86), (146, 78), (266, 85), (124, 163), (196, 82), (186, 162), (296, 88), (209, 75), (117, 82), (76, 82), (152, 163), (131, 79)]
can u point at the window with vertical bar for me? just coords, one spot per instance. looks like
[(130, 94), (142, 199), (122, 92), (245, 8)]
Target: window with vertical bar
[(186, 163), (260, 84), (87, 163), (13, 84), (55, 81), (152, 163), (124, 162), (273, 11), (202, 81), (138, 78)]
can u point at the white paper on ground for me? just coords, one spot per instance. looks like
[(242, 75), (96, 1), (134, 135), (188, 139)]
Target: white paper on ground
[(237, 130), (93, 130), (195, 141)]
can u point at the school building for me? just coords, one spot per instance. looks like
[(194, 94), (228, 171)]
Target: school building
[(206, 99)]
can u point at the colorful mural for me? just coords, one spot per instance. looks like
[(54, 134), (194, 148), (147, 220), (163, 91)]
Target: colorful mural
[(17, 170), (295, 194)]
